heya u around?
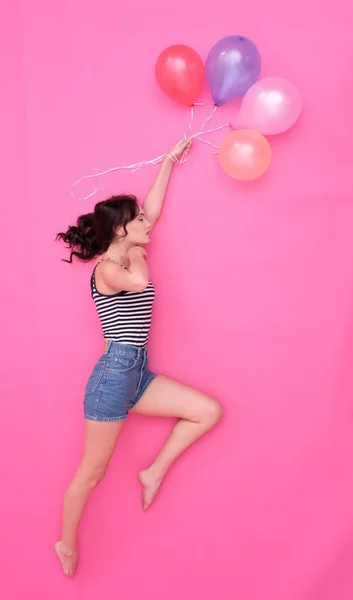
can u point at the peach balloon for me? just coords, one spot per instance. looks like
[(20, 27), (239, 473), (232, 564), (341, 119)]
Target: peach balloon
[(245, 154)]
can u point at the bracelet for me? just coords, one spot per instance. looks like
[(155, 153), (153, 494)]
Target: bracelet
[(172, 156)]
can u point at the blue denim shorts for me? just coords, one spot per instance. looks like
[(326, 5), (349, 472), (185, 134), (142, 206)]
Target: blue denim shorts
[(117, 382)]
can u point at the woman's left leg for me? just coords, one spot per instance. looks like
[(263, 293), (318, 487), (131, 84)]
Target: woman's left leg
[(197, 414)]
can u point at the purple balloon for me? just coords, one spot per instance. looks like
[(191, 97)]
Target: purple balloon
[(232, 67)]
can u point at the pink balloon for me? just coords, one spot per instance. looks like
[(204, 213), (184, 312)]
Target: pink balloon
[(272, 105)]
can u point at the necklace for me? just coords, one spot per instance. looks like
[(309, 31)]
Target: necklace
[(113, 260)]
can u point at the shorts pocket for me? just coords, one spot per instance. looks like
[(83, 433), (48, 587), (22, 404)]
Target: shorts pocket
[(122, 363), (95, 378)]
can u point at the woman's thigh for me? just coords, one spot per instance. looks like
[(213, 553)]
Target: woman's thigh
[(165, 397)]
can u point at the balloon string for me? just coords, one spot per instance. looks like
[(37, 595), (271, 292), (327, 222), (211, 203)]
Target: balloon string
[(209, 117), (92, 176), (209, 143), (211, 130), (191, 122), (192, 118), (200, 133), (133, 168), (154, 161)]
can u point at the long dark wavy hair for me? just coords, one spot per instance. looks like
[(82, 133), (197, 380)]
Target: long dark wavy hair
[(94, 232)]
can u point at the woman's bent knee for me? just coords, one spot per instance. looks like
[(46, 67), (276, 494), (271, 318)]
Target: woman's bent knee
[(212, 413)]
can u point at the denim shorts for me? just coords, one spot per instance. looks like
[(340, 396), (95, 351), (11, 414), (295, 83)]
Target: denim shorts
[(117, 382)]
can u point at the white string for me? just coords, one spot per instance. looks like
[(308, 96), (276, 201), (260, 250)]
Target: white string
[(92, 176), (201, 139), (208, 142), (190, 124), (154, 161), (200, 133), (209, 117), (192, 118), (210, 130)]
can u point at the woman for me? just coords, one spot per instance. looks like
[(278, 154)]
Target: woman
[(117, 232)]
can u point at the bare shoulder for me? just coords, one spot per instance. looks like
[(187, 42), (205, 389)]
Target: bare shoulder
[(113, 277), (110, 275), (107, 266)]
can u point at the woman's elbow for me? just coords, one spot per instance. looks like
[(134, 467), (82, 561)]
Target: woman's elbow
[(140, 284)]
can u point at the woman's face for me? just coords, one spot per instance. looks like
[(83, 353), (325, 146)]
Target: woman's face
[(138, 230)]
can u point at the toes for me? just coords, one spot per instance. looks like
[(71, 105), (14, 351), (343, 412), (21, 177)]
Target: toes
[(68, 563), (144, 501)]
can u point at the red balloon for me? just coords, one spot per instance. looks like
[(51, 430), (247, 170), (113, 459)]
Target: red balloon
[(180, 73)]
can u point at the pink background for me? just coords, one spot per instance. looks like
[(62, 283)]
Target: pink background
[(254, 306)]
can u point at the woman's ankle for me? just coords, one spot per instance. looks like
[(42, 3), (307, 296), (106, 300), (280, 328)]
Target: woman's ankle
[(66, 549)]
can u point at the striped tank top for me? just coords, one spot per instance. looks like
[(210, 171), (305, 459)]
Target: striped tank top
[(125, 316)]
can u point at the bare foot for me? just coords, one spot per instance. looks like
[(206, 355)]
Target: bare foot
[(150, 486), (68, 559)]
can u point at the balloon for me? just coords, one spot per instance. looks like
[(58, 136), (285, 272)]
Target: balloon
[(245, 154), (180, 73), (272, 105), (232, 66)]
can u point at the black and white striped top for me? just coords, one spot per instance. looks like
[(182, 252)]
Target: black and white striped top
[(126, 316)]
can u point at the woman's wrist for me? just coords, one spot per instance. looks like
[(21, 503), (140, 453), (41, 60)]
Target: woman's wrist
[(178, 153), (168, 161), (169, 158)]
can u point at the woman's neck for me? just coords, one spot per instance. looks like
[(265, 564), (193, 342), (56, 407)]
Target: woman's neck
[(118, 251)]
